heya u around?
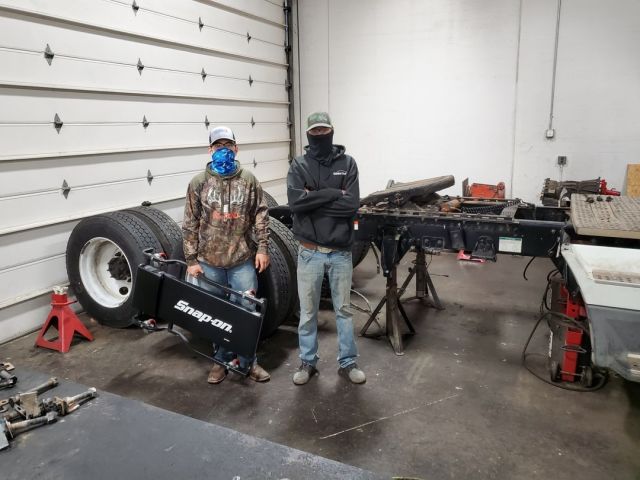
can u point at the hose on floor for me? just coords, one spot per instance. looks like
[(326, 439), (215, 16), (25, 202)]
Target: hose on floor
[(554, 319)]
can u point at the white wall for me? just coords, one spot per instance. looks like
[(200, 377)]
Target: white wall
[(103, 151), (420, 89), (597, 92)]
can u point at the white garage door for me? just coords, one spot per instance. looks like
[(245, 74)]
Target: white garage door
[(107, 103)]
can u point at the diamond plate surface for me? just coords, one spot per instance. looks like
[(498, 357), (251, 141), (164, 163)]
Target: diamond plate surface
[(605, 216)]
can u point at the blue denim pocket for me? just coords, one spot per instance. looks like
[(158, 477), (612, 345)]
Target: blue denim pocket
[(305, 254)]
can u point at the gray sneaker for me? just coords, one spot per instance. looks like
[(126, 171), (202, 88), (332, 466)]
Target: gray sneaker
[(304, 373), (354, 373)]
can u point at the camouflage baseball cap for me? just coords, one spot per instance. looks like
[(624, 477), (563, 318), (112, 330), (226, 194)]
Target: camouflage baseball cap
[(221, 133), (318, 119)]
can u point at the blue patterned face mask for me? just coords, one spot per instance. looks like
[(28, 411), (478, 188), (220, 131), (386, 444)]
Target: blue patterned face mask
[(223, 161)]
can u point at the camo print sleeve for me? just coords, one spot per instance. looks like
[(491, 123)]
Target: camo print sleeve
[(191, 224), (262, 222)]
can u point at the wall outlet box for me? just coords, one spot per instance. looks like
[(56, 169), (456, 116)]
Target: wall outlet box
[(562, 160), (550, 133)]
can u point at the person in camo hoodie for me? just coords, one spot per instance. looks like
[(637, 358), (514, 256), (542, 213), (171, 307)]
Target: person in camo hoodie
[(224, 206)]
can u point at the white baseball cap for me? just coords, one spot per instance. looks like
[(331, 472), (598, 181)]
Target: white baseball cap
[(221, 133)]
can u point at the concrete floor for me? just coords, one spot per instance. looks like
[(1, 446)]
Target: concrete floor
[(458, 404)]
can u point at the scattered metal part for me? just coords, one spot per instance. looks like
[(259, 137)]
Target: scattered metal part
[(9, 430), (7, 380), (28, 412), (28, 406), (16, 401), (496, 208), (66, 405), (553, 191), (398, 194)]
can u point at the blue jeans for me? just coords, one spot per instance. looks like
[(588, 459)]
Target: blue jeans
[(242, 278), (312, 266)]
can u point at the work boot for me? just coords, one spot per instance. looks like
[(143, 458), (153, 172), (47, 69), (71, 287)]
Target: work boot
[(259, 374), (217, 374), (354, 374), (304, 373)]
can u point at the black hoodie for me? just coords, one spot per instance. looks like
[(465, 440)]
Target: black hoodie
[(324, 197)]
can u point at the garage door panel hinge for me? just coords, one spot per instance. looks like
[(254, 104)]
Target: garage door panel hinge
[(145, 122), (57, 123), (149, 177), (200, 23), (203, 74), (248, 37), (253, 122), (206, 121), (65, 189), (48, 54), (135, 7), (140, 66), (250, 80)]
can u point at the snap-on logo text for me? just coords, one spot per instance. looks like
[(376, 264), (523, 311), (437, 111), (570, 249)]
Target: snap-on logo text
[(201, 316)]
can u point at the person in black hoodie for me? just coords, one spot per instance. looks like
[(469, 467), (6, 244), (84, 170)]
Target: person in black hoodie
[(324, 196)]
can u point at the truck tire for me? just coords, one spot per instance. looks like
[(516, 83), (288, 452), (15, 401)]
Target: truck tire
[(163, 226), (289, 246), (103, 253), (270, 201), (274, 284), (359, 251)]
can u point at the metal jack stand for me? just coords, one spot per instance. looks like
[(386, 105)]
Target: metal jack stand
[(394, 308), (64, 320), (423, 282)]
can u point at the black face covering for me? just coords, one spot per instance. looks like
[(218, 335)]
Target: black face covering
[(321, 147)]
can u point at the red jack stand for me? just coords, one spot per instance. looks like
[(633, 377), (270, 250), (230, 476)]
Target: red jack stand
[(468, 258), (64, 320)]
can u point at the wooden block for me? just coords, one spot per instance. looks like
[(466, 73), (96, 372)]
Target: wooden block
[(633, 180)]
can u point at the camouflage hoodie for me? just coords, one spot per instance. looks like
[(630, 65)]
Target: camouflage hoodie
[(219, 218)]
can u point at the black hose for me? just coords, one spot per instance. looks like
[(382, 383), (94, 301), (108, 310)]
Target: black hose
[(524, 272), (601, 376)]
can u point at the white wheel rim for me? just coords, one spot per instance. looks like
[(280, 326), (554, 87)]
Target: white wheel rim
[(96, 278)]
